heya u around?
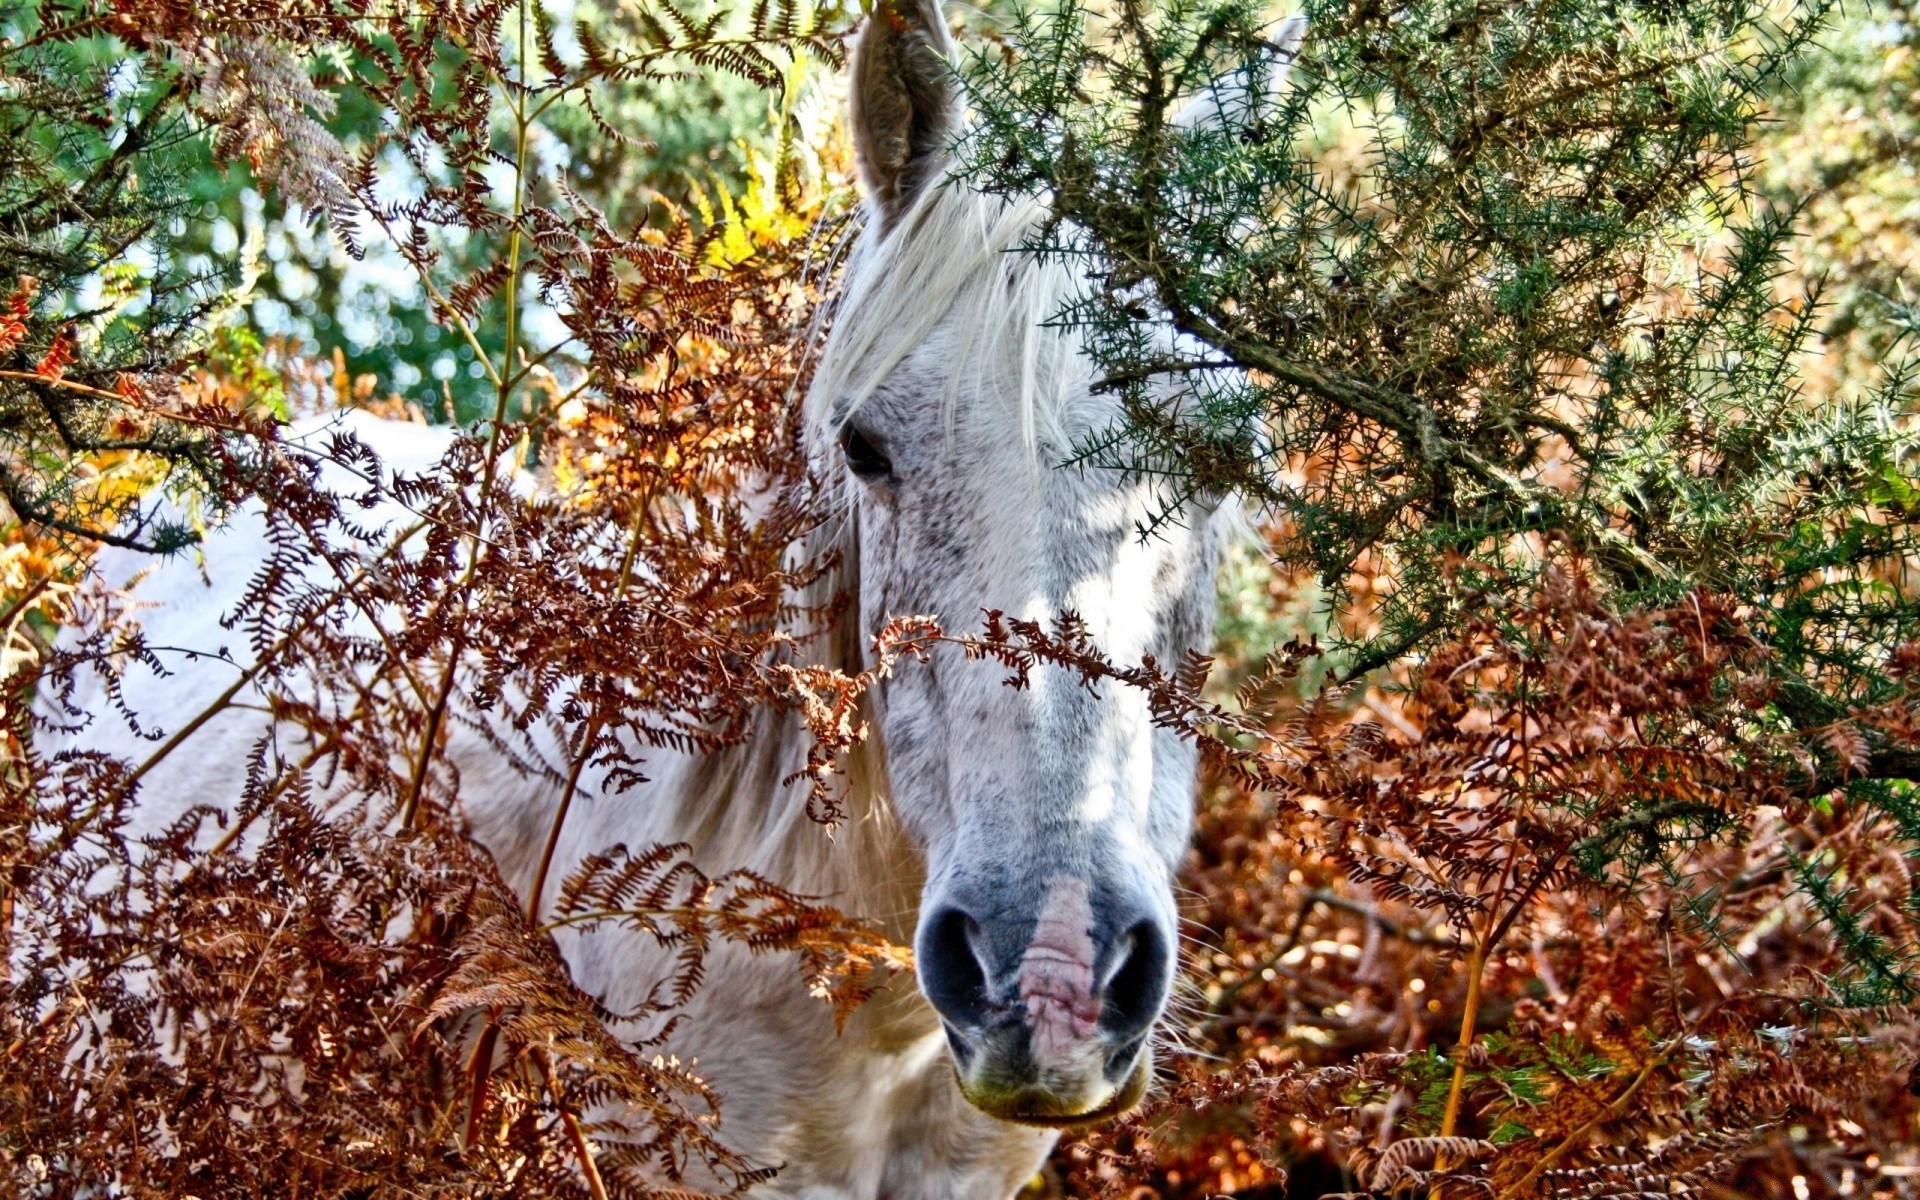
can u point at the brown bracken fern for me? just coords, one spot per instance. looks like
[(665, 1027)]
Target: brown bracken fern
[(319, 986), (1536, 922)]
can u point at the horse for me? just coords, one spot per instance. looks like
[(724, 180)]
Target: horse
[(1025, 841)]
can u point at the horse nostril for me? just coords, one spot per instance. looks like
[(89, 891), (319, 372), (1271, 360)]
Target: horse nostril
[(951, 972), (1139, 985)]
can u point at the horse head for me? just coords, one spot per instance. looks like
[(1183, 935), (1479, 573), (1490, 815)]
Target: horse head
[(1052, 817)]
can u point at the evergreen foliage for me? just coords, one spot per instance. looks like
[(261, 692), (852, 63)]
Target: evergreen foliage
[(1501, 287), (1494, 314), (95, 155), (1526, 306)]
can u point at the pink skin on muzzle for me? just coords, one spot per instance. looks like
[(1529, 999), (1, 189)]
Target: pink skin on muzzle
[(1056, 977)]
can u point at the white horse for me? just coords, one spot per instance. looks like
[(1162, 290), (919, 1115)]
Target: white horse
[(1025, 840)]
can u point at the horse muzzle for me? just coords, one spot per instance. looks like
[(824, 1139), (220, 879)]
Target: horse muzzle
[(1048, 1015)]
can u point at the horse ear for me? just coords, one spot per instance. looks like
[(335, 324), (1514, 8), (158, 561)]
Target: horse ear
[(904, 102), (1233, 102)]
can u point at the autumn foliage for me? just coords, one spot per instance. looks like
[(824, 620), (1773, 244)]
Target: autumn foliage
[(1551, 918), (1577, 899), (320, 986)]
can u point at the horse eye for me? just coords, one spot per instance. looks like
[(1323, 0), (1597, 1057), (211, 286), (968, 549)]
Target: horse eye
[(862, 455)]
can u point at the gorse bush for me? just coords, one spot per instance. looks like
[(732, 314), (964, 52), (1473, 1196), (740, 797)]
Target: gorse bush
[(1611, 647), (94, 166), (1521, 290)]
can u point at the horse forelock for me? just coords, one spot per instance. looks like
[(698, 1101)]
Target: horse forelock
[(966, 261)]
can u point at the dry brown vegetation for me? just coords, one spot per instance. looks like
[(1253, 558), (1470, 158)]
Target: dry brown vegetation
[(356, 1004), (1446, 940)]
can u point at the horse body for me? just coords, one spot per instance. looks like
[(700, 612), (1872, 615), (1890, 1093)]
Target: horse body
[(867, 1111), (1025, 840)]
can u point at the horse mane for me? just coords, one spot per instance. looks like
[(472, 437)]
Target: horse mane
[(962, 252)]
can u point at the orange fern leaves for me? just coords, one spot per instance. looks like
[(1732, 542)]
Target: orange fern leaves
[(828, 702), (661, 893), (1560, 859), (59, 356), (14, 314)]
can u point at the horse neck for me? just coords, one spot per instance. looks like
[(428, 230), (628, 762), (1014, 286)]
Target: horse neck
[(746, 805), (741, 807)]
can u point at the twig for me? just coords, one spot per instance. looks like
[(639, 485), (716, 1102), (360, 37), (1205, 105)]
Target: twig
[(504, 383), (582, 1149), (24, 600), (479, 1071), (1380, 921), (249, 674), (1384, 923)]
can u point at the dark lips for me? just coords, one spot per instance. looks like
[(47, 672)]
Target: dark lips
[(1044, 1116)]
